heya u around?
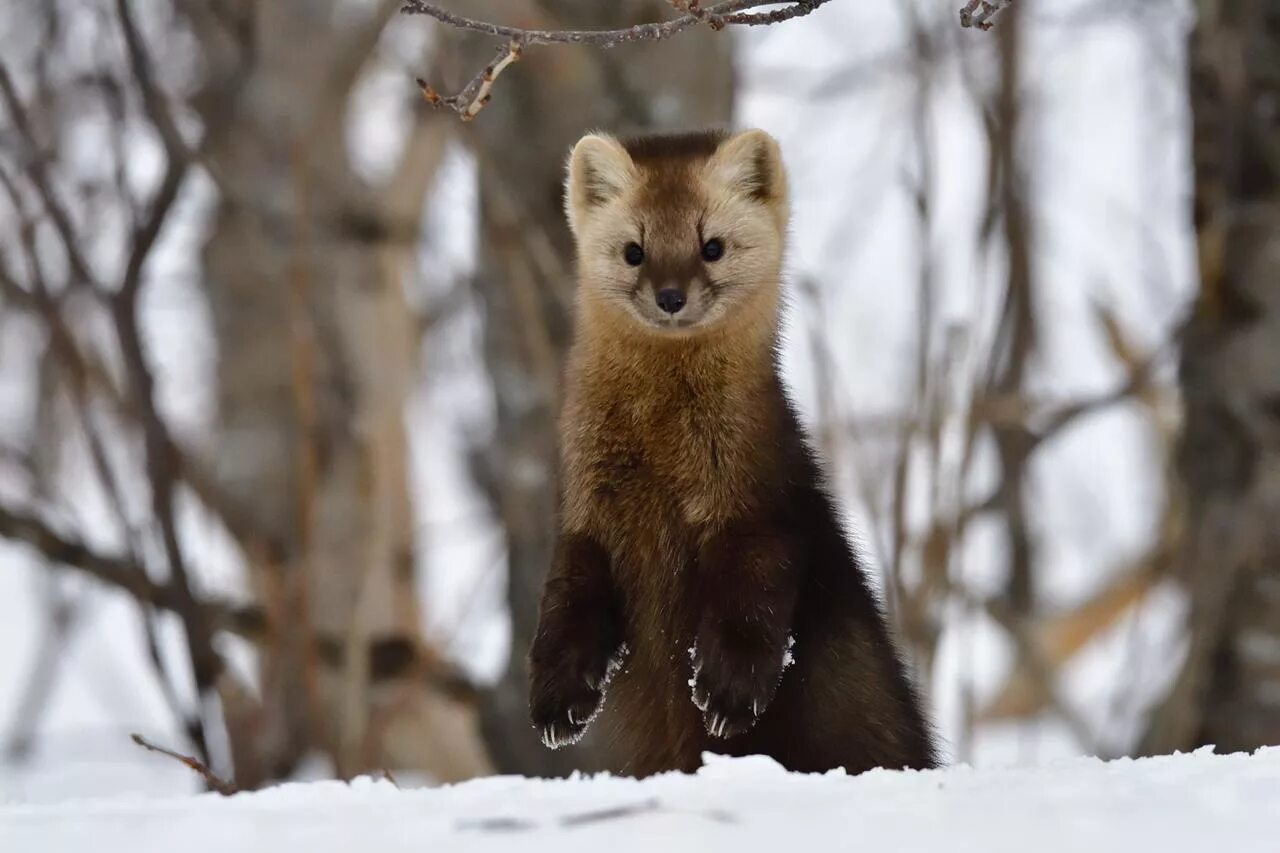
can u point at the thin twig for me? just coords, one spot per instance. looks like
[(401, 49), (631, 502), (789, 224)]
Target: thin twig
[(38, 173), (213, 780), (476, 93), (694, 7), (153, 98)]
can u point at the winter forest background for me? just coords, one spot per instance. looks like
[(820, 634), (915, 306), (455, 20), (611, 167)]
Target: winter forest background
[(280, 347)]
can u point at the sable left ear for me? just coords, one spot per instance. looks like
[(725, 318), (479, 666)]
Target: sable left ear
[(599, 169), (751, 163)]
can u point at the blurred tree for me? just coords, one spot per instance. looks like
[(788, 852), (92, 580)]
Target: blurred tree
[(303, 268), (1228, 693), (526, 278)]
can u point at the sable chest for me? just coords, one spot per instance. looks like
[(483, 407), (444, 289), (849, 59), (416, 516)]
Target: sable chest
[(661, 471)]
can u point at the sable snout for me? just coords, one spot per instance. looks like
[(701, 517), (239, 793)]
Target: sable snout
[(671, 299)]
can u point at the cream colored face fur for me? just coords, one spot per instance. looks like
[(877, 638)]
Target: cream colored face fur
[(670, 201)]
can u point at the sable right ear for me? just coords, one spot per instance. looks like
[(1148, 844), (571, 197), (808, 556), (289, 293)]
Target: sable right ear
[(599, 170)]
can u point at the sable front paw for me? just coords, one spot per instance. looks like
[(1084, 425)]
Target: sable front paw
[(561, 716), (566, 694), (733, 682)]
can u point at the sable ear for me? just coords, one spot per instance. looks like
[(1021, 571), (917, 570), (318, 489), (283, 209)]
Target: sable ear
[(750, 162), (599, 170)]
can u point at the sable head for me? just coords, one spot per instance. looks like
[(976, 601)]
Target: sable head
[(679, 234)]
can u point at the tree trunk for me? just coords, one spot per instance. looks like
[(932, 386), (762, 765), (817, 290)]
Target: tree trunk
[(303, 269), (1228, 693), (539, 109)]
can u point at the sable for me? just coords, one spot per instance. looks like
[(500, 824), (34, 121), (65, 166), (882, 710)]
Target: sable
[(699, 549)]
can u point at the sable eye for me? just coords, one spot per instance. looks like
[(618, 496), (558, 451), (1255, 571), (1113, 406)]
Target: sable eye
[(633, 254), (713, 249)]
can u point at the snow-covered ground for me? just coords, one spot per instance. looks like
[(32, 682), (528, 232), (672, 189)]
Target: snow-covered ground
[(1177, 803)]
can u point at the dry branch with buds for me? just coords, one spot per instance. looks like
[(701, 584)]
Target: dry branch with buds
[(476, 93)]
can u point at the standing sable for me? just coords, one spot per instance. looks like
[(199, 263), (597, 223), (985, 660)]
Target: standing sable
[(701, 572)]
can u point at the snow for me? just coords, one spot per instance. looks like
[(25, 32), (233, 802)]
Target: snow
[(1171, 804)]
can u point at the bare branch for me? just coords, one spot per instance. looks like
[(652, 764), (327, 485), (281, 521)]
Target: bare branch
[(152, 97), (390, 656), (39, 175), (475, 95), (86, 373), (731, 11), (981, 13), (66, 551), (161, 460), (694, 7)]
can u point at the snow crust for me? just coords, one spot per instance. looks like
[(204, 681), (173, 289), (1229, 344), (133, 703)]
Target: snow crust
[(1177, 803)]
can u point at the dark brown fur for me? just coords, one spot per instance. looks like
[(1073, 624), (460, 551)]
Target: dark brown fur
[(696, 517)]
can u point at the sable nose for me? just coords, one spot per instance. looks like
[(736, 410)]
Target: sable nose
[(670, 300)]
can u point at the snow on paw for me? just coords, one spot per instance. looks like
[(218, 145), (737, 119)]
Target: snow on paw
[(562, 715), (732, 684), (567, 693)]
